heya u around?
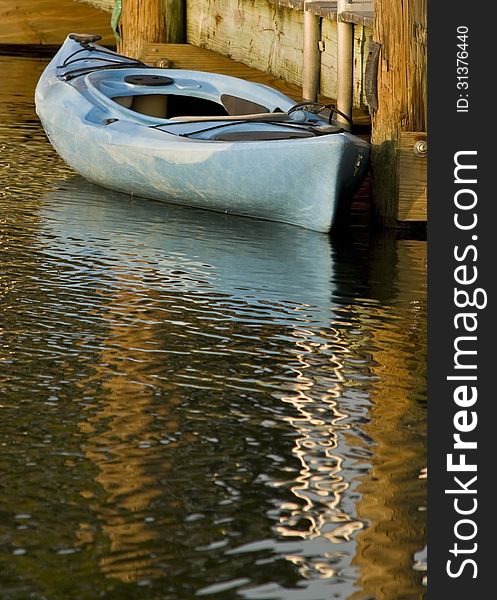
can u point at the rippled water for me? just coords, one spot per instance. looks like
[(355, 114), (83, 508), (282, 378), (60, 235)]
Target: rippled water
[(200, 405)]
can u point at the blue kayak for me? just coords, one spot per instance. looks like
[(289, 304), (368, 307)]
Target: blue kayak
[(194, 138)]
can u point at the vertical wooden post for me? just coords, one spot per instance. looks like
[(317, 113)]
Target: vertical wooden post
[(151, 21), (312, 58), (400, 29), (345, 64)]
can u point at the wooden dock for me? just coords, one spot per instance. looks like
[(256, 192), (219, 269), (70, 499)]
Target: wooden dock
[(46, 23)]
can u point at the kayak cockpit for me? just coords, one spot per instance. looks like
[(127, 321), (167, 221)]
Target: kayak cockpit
[(201, 106), (166, 94), (170, 106)]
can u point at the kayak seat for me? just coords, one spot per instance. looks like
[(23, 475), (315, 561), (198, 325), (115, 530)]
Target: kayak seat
[(168, 106), (240, 106)]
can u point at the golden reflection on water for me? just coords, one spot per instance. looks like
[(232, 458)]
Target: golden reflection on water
[(386, 548), (19, 82), (123, 419)]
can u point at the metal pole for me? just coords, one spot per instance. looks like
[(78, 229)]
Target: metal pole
[(345, 63), (312, 59)]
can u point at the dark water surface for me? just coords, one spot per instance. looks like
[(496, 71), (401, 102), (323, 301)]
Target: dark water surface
[(195, 405)]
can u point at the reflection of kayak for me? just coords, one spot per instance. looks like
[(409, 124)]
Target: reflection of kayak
[(195, 138), (283, 269)]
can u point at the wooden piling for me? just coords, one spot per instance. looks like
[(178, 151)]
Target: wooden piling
[(311, 60), (345, 64), (400, 29), (156, 21)]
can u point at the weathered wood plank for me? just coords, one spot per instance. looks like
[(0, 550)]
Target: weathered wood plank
[(365, 17), (47, 22), (360, 12), (295, 4), (321, 8), (268, 37), (412, 179)]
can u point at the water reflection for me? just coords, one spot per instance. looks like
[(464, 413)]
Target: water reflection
[(195, 250), (278, 282), (198, 404)]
